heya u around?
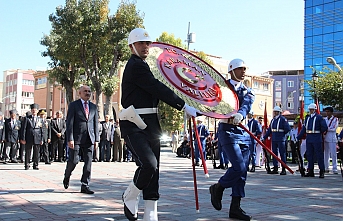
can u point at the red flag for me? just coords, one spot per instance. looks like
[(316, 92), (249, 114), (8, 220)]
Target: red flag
[(317, 103), (301, 118), (265, 120)]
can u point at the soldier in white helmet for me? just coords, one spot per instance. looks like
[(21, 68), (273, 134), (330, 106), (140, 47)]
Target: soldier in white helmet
[(140, 129), (278, 129), (314, 126), (235, 143)]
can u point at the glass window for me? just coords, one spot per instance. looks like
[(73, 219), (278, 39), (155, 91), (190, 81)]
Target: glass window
[(308, 32), (278, 94), (290, 105), (308, 40), (328, 7), (290, 84), (328, 37), (308, 11), (338, 35), (308, 3), (317, 9), (265, 86), (328, 29), (338, 27), (317, 61), (308, 62), (256, 84), (318, 39), (317, 2), (339, 4), (318, 31)]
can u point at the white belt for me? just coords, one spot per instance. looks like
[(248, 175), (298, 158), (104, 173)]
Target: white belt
[(151, 110), (277, 130), (312, 131)]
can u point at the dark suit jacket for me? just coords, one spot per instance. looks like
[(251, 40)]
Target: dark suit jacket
[(79, 128), (2, 129), (142, 90), (55, 129), (106, 131), (31, 131), (12, 134), (46, 130)]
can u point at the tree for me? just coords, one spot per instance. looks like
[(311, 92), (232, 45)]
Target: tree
[(171, 118), (328, 88), (86, 40)]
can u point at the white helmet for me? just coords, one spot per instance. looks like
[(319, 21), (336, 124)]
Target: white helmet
[(277, 108), (312, 106), (236, 63), (251, 112), (138, 34)]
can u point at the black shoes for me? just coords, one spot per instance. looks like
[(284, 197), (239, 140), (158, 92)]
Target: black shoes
[(321, 174), (197, 164), (236, 211), (66, 183), (283, 172), (252, 169), (86, 190), (216, 191), (35, 168), (274, 171), (310, 173)]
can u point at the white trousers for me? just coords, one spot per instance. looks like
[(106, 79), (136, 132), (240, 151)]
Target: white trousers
[(330, 150), (259, 155)]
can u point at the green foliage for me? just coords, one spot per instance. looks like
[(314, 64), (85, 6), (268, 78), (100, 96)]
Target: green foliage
[(86, 40), (204, 57), (170, 39), (328, 88)]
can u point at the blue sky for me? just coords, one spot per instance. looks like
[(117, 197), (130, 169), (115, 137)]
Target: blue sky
[(267, 34)]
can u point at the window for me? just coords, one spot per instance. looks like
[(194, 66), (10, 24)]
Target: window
[(290, 83), (278, 94), (290, 105), (265, 86), (277, 85), (256, 85)]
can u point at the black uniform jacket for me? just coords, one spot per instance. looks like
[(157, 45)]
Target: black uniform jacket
[(31, 130), (12, 133), (142, 90)]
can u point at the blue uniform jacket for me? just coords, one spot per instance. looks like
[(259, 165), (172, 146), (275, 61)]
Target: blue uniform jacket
[(246, 97), (202, 131), (313, 134), (278, 127), (255, 128)]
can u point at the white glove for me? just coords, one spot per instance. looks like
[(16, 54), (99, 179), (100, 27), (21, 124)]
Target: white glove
[(295, 140), (261, 139), (190, 111), (237, 118)]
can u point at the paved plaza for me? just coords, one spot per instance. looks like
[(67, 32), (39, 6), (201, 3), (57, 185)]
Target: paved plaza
[(39, 195)]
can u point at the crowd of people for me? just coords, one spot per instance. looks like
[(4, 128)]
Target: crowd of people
[(36, 138)]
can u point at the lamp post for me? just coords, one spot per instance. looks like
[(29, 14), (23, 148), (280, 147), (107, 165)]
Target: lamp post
[(315, 79), (290, 94), (332, 61)]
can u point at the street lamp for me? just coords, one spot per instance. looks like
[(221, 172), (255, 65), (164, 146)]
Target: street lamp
[(332, 61), (315, 79), (290, 94)]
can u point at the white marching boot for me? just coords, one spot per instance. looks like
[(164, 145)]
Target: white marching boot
[(131, 200), (150, 210)]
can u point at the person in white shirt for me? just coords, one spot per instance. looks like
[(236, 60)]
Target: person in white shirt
[(330, 141)]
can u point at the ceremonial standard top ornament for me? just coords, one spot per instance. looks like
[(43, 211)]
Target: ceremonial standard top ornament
[(195, 81)]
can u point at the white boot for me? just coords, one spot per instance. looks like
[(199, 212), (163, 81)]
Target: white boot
[(150, 210), (131, 200)]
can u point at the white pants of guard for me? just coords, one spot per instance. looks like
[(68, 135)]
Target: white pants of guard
[(330, 150), (303, 150), (259, 155)]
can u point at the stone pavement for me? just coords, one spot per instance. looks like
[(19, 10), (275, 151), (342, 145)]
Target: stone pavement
[(39, 195)]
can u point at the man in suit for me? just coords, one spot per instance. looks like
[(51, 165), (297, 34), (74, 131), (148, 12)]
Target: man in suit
[(255, 128), (82, 134), (141, 90), (58, 129), (31, 135), (2, 147), (118, 143), (46, 137), (105, 140), (11, 136)]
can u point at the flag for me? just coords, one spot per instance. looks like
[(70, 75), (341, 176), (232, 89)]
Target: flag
[(317, 103), (265, 119), (301, 118)]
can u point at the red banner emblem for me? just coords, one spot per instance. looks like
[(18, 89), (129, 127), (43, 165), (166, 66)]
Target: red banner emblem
[(195, 81)]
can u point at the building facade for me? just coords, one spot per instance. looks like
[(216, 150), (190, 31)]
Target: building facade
[(323, 37), (18, 91), (288, 90)]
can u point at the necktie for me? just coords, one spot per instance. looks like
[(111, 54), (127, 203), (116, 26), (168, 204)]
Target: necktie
[(12, 123), (86, 109)]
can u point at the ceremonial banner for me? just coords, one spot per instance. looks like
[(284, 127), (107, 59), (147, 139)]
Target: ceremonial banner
[(191, 78)]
